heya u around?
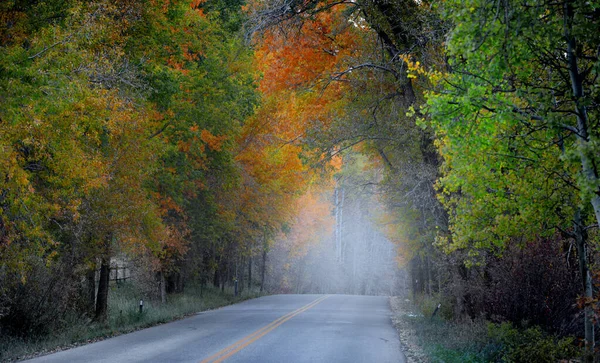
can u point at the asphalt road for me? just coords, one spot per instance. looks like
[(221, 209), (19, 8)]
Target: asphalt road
[(278, 328)]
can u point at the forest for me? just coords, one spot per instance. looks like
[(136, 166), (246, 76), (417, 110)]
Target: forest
[(446, 151)]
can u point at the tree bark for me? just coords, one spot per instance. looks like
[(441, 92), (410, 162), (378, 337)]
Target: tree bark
[(589, 173), (414, 277), (91, 288), (263, 270), (588, 290), (162, 282), (588, 169), (337, 223), (102, 297), (216, 277), (428, 267), (222, 276), (240, 276), (249, 273), (341, 235)]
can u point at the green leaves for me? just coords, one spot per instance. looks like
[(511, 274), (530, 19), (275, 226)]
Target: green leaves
[(103, 123), (501, 116)]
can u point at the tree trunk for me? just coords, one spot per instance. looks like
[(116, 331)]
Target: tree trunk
[(263, 268), (102, 297), (589, 173), (588, 169), (228, 277), (249, 272), (341, 235), (162, 282), (414, 277), (91, 288), (240, 277), (223, 277), (216, 277), (337, 224), (586, 277), (428, 268)]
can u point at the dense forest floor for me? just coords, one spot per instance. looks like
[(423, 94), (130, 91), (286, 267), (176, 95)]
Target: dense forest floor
[(434, 339), (124, 317)]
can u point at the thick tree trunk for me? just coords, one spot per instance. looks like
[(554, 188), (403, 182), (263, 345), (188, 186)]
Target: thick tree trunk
[(216, 277), (102, 297), (91, 288)]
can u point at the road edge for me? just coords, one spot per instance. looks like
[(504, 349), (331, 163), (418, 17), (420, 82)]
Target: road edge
[(412, 351)]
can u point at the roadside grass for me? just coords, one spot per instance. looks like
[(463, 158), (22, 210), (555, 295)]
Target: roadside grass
[(440, 339), (446, 341), (124, 317)]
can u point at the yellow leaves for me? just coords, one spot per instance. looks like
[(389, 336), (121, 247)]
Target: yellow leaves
[(414, 69)]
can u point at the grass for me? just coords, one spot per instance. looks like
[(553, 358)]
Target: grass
[(447, 341), (474, 341), (123, 317)]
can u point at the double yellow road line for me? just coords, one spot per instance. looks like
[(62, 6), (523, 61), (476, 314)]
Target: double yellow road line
[(249, 339)]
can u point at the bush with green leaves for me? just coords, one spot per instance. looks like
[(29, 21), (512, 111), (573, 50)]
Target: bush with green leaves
[(529, 345)]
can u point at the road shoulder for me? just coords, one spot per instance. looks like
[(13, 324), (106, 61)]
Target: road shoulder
[(401, 310)]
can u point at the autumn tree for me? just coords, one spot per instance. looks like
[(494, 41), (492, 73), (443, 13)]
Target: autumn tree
[(367, 49), (117, 120)]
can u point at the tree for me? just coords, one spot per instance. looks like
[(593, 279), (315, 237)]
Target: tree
[(516, 118), (363, 50)]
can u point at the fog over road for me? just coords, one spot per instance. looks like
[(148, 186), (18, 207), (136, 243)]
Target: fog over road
[(278, 328)]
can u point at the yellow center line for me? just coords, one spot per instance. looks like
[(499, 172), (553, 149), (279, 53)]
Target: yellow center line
[(246, 341)]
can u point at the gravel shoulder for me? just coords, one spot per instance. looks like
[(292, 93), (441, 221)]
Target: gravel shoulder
[(401, 310)]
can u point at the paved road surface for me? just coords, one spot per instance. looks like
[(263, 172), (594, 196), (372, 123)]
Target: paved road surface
[(279, 328)]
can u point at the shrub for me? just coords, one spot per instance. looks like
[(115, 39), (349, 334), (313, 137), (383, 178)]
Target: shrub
[(535, 285), (41, 305), (529, 345)]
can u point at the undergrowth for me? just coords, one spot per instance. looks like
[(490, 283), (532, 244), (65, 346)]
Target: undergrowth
[(472, 341), (123, 317)]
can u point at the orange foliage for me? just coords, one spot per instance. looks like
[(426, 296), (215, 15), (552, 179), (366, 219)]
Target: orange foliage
[(196, 3), (322, 44), (270, 147), (213, 142)]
